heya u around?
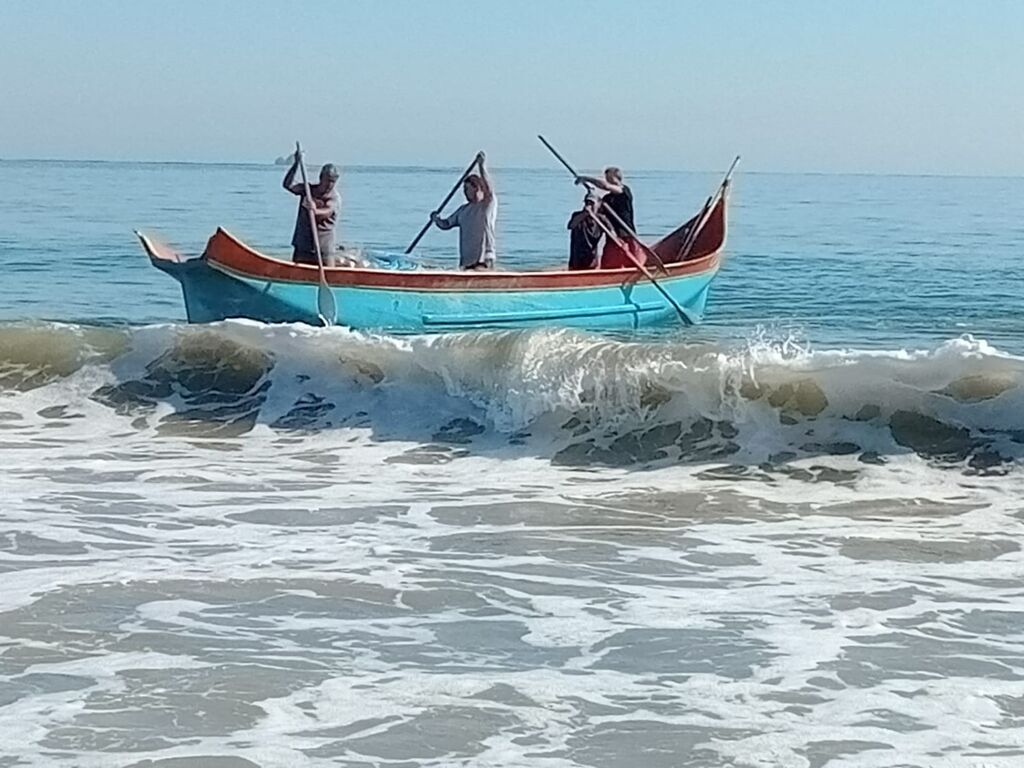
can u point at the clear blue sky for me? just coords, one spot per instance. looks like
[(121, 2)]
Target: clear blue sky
[(909, 86)]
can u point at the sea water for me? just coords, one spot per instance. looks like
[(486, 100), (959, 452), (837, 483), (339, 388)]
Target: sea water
[(790, 537)]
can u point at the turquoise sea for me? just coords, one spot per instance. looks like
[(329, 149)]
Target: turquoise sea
[(789, 537), (879, 261)]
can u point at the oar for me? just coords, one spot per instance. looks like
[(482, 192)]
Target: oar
[(440, 208), (691, 237), (688, 238), (623, 225), (683, 315), (615, 215), (325, 303)]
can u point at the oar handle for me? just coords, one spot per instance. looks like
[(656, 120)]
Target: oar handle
[(728, 174), (309, 201), (324, 298), (560, 159), (691, 237), (691, 233), (440, 208)]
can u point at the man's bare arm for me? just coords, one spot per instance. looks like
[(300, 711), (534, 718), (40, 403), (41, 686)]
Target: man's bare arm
[(599, 183), (485, 177), (321, 212), (289, 178), (441, 221)]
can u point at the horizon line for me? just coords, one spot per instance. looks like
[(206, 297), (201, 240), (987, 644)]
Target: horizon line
[(371, 166)]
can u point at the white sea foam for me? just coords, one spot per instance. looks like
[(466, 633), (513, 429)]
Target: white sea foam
[(294, 546)]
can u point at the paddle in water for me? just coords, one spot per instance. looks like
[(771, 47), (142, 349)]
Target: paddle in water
[(684, 316), (326, 306), (440, 208)]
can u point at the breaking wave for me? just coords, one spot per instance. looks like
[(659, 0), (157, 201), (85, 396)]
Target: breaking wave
[(581, 399)]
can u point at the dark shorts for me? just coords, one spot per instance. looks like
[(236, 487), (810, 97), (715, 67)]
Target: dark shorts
[(304, 253), (583, 260), (305, 257)]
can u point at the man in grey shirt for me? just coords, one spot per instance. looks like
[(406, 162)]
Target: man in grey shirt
[(326, 203), (475, 219)]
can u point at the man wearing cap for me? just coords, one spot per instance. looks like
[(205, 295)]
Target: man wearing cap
[(326, 206), (584, 235)]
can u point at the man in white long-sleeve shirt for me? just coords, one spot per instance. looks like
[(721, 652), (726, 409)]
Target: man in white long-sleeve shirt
[(476, 219)]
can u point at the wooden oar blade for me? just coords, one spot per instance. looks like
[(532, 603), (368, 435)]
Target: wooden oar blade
[(326, 305)]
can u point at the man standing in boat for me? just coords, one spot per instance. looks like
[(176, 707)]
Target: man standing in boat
[(584, 235), (476, 219), (327, 205), (619, 203)]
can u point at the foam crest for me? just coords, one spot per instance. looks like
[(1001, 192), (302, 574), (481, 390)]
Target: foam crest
[(656, 398)]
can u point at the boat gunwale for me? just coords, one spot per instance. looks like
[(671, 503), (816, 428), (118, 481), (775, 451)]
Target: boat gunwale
[(616, 277), (258, 266)]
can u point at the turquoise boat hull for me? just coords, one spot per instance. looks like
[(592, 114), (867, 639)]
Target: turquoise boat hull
[(231, 280)]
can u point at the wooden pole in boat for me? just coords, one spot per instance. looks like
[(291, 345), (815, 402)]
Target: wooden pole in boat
[(440, 208), (690, 237), (683, 315), (326, 306), (705, 214)]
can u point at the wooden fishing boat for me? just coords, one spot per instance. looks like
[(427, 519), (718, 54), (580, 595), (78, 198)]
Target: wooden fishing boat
[(231, 280)]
